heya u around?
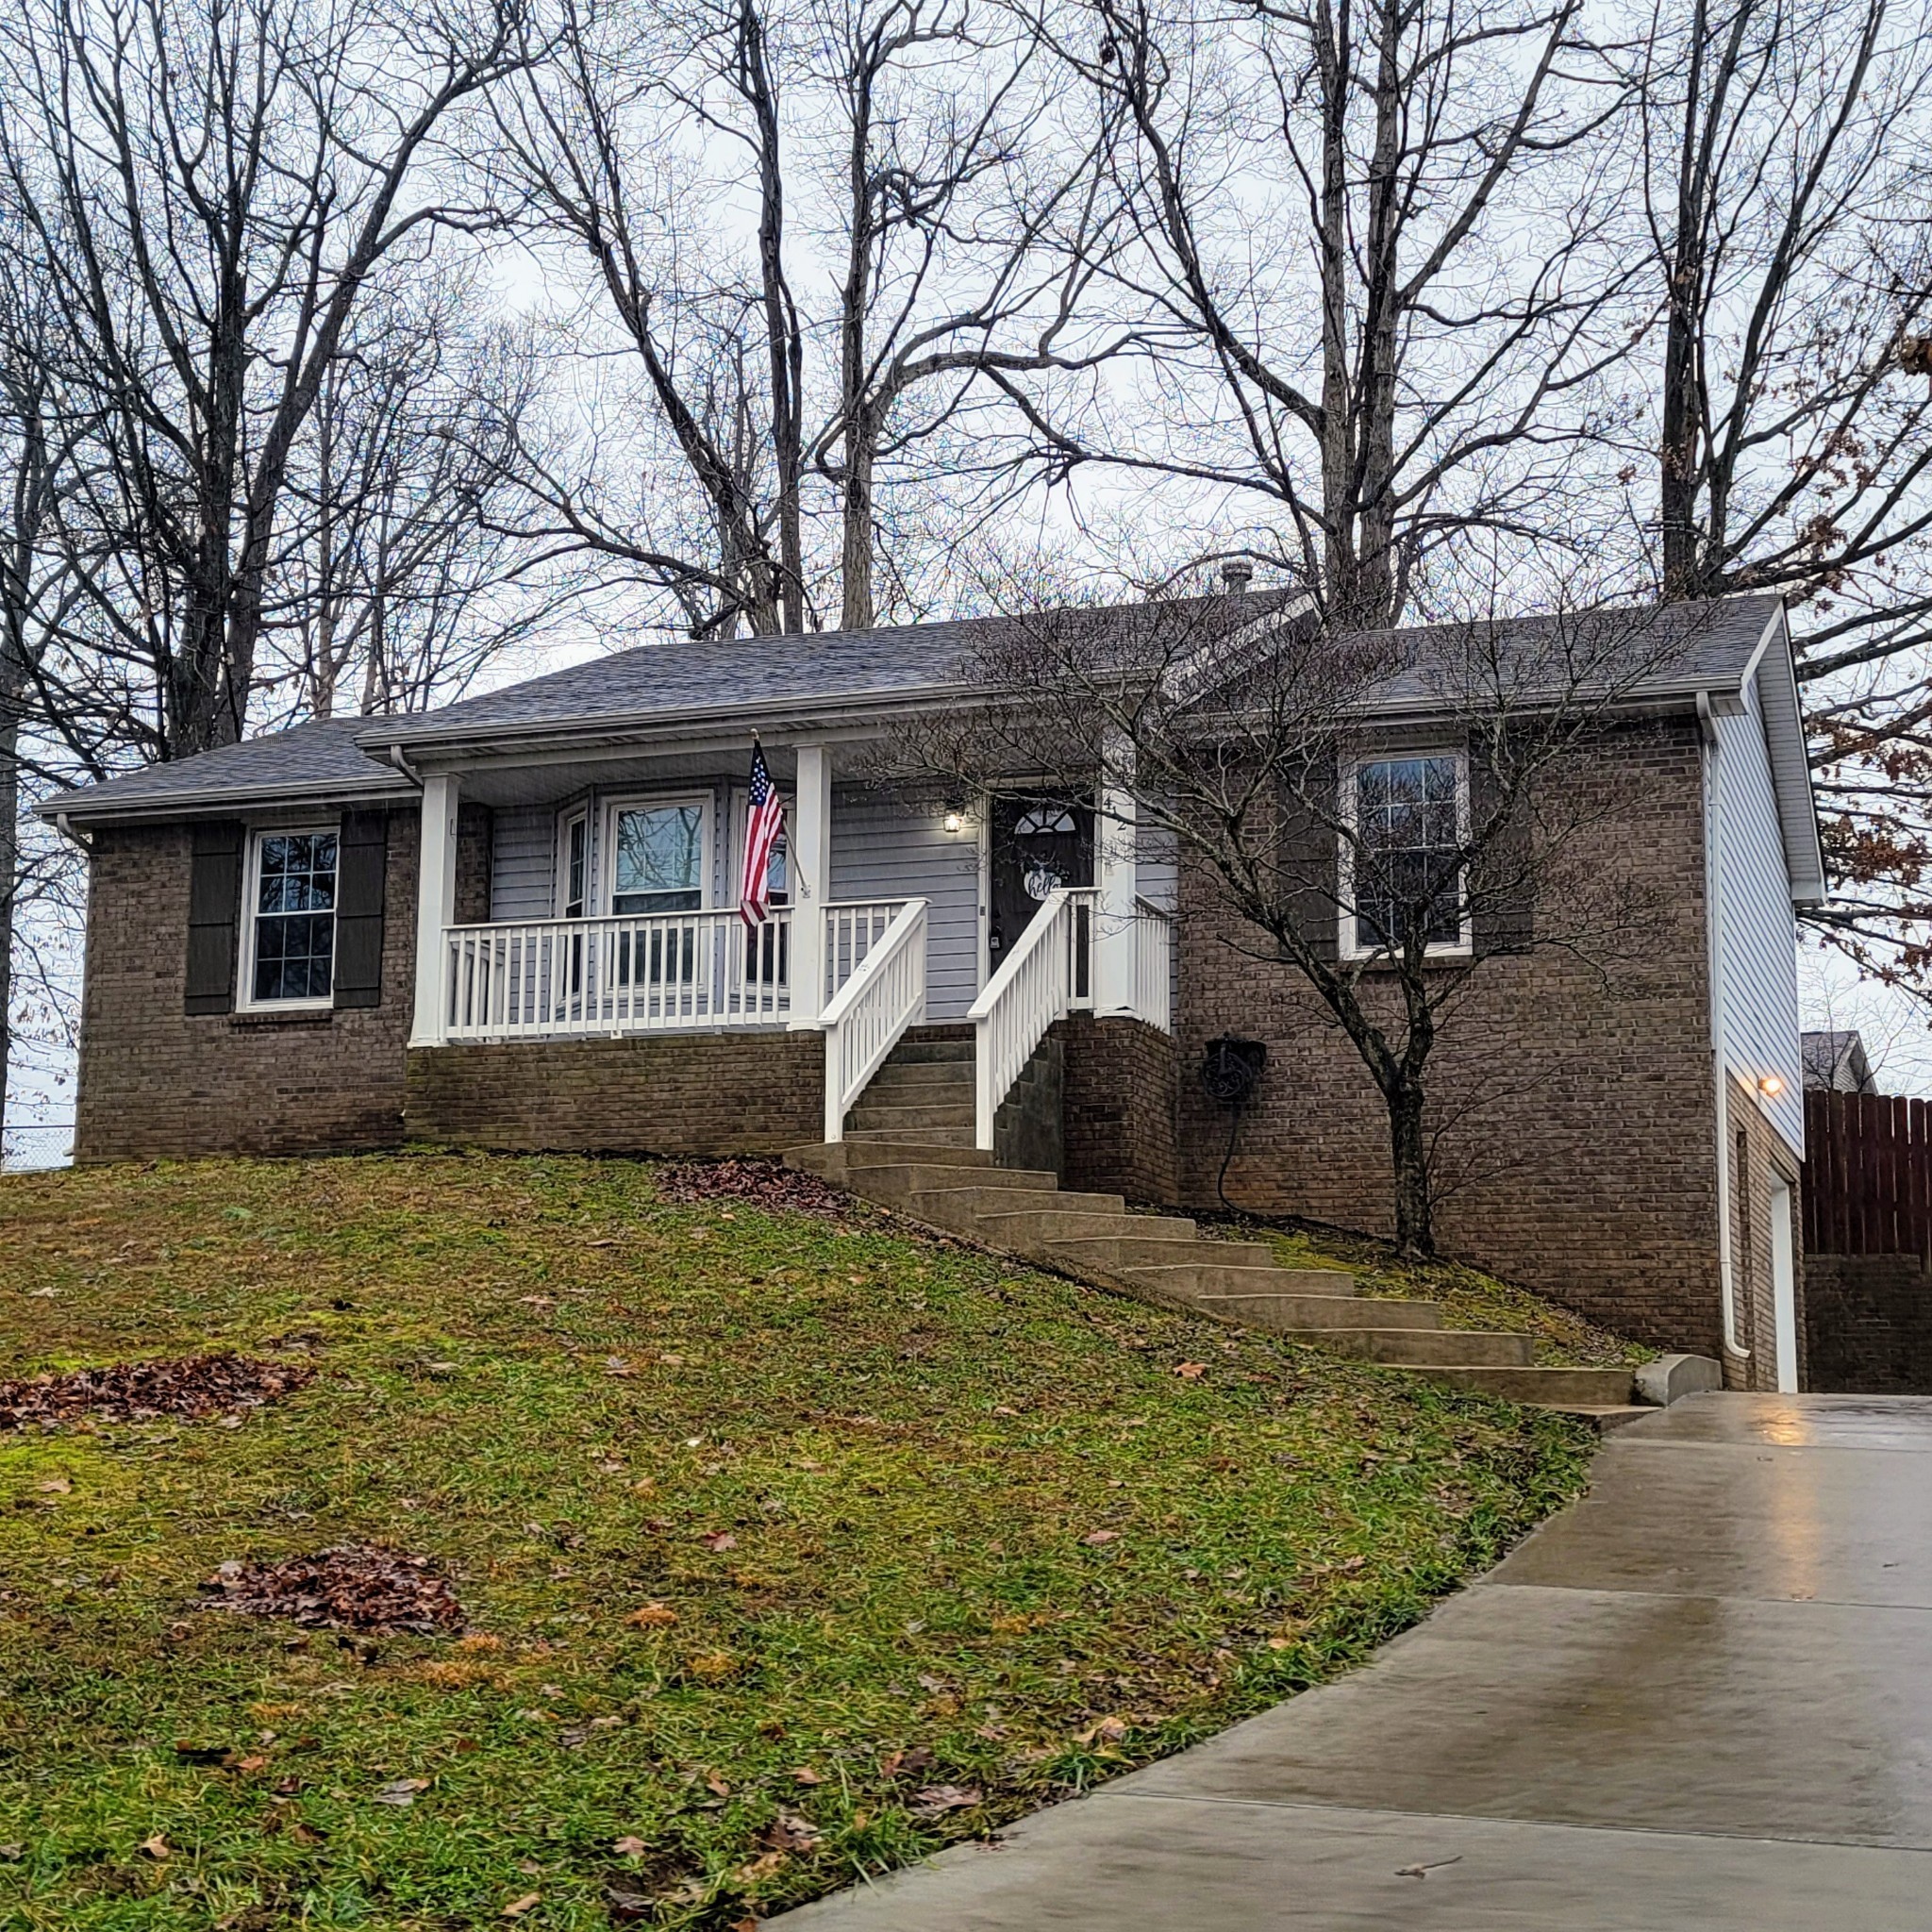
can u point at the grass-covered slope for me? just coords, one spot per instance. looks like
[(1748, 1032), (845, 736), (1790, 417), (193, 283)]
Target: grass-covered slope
[(789, 1547)]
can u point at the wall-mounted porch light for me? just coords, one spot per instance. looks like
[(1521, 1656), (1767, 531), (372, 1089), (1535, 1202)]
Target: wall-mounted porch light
[(1771, 1085), (955, 817)]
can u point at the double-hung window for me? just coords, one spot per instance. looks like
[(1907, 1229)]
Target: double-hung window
[(658, 857), (292, 918), (1402, 867)]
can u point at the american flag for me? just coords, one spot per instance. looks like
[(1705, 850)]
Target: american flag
[(762, 826)]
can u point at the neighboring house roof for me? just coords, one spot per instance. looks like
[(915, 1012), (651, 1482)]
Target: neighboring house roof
[(1835, 1062), (659, 692)]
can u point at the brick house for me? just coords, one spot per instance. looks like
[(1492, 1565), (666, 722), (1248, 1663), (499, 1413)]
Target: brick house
[(511, 923)]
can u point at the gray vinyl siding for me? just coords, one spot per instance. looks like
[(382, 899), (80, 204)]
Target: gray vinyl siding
[(523, 864), (1757, 926), (884, 849)]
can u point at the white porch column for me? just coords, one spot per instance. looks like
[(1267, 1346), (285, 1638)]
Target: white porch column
[(436, 905), (811, 848), (1114, 838)]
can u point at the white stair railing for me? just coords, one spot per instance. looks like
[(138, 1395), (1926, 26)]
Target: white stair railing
[(869, 1013), (1044, 976), (853, 928), (1153, 965)]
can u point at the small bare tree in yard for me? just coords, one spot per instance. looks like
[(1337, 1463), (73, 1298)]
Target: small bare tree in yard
[(1382, 813)]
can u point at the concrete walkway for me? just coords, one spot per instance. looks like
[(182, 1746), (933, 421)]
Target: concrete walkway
[(1703, 1696)]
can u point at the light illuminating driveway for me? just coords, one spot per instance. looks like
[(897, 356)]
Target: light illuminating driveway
[(1702, 1697)]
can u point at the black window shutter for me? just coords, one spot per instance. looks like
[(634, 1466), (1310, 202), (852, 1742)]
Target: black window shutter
[(1309, 852), (361, 874), (214, 911), (1501, 888)]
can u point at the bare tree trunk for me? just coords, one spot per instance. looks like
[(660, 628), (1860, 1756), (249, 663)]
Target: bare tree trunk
[(1409, 1168)]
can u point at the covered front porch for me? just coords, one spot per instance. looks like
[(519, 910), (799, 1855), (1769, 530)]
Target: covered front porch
[(594, 898)]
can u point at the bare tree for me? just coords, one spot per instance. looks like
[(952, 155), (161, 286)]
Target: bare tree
[(211, 191), (1256, 741), (1371, 238), (971, 247), (1789, 231), (674, 142), (394, 577)]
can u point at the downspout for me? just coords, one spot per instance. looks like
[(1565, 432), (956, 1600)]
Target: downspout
[(1728, 1292)]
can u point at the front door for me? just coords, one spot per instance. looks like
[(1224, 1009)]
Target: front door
[(1035, 847)]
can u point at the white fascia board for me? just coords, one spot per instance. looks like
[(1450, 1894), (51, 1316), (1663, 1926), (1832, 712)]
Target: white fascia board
[(1790, 763), (221, 802)]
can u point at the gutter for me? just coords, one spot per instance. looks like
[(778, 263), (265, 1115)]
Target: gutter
[(1727, 1284)]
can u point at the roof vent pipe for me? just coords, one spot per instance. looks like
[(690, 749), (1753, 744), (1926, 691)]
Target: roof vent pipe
[(1236, 575)]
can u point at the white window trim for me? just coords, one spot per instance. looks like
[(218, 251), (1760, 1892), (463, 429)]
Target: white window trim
[(607, 881), (245, 1001), (576, 815), (1447, 950)]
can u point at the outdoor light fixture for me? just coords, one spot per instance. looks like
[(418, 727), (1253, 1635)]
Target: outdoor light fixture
[(1771, 1085), (952, 819)]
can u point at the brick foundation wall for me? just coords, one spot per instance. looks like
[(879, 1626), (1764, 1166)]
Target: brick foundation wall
[(1121, 1109), (158, 1083), (1868, 1324), (1757, 1151), (1577, 1119), (688, 1093)]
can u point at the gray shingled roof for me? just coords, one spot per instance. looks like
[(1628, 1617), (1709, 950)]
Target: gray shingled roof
[(654, 686), (320, 760)]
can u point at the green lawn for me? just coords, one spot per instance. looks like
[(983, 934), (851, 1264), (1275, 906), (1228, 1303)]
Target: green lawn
[(920, 1542)]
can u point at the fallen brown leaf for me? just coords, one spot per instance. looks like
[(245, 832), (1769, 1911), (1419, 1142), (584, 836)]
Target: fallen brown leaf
[(653, 1617), (157, 1848), (1102, 1536), (937, 1800), (517, 1907), (629, 1846), (1191, 1370)]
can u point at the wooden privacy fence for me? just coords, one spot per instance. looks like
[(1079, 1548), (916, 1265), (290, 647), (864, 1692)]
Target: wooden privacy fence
[(1868, 1175)]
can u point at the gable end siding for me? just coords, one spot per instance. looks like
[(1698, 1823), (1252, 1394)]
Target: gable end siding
[(1758, 933)]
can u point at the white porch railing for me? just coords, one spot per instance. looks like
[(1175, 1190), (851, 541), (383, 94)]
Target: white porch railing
[(853, 928), (1153, 965), (669, 970), (864, 1022), (1047, 974)]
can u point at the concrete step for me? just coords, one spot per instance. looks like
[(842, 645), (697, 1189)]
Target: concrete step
[(1035, 1229), (942, 1080), (1417, 1348), (1212, 1277), (1604, 1417), (910, 1119), (952, 1199), (1112, 1252), (1287, 1312), (834, 1161), (895, 1135), (904, 1183), (1553, 1388), (913, 1053)]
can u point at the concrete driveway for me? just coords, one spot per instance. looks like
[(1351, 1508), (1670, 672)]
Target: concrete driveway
[(1703, 1696)]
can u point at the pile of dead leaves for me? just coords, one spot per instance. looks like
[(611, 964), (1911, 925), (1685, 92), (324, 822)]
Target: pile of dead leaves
[(351, 1586), (194, 1384), (758, 1184)]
